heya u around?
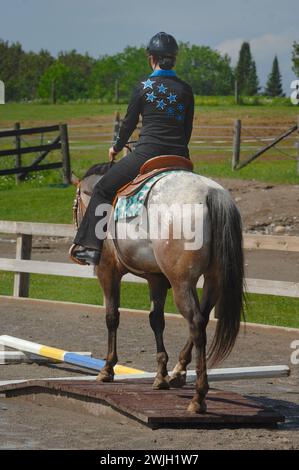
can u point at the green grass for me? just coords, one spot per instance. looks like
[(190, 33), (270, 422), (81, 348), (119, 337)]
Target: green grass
[(274, 171), (206, 108), (265, 309)]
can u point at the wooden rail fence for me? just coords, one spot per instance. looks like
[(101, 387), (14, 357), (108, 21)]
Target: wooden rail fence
[(60, 142), (22, 265)]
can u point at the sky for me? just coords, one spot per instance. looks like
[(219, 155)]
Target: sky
[(108, 26)]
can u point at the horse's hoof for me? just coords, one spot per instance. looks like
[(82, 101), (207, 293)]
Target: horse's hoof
[(199, 408), (161, 383), (105, 377), (178, 380)]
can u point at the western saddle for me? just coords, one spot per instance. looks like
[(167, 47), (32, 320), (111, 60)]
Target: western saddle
[(153, 167)]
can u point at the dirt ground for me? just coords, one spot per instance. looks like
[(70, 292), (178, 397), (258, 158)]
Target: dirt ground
[(25, 425)]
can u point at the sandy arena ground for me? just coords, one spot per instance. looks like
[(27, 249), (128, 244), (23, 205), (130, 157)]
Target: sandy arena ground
[(25, 425)]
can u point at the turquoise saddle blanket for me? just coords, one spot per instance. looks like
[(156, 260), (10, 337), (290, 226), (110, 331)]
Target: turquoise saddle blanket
[(132, 206)]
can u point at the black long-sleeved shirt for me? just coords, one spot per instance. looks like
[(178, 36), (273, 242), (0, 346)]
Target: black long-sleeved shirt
[(166, 105)]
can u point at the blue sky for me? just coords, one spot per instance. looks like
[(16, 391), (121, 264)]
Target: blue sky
[(107, 26)]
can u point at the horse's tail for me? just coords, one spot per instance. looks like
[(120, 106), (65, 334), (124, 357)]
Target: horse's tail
[(227, 253)]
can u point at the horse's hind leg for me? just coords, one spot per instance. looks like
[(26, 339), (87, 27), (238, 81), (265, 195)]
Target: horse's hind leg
[(158, 286), (207, 303), (179, 373), (187, 302)]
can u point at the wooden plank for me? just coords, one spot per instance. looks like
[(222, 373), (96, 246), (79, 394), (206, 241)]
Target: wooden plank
[(267, 147), (251, 241), (23, 252), (45, 267), (37, 229), (65, 151), (18, 154), (255, 286), (271, 242), (236, 144), (263, 286), (27, 169), (138, 400), (28, 131), (32, 149), (38, 159)]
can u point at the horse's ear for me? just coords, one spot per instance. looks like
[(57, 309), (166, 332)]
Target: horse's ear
[(74, 180)]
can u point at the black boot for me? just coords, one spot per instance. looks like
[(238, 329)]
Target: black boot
[(83, 255)]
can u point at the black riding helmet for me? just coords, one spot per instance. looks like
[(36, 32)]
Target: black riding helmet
[(162, 45)]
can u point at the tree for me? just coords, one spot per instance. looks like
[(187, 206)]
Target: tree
[(10, 59), (64, 80), (81, 66), (295, 58), (245, 72), (274, 84), (32, 68), (205, 70)]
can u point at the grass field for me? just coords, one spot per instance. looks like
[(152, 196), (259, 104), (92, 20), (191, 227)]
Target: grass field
[(264, 309), (43, 199)]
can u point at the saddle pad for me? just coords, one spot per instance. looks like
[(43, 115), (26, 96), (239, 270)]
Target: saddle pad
[(132, 206)]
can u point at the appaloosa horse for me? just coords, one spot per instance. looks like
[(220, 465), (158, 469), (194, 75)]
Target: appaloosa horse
[(165, 263)]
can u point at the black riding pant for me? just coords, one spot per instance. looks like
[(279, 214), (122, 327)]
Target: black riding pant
[(105, 190)]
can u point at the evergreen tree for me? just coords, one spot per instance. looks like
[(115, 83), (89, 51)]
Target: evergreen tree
[(274, 85), (245, 72), (253, 81), (295, 58)]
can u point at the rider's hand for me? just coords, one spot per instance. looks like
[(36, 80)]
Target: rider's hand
[(112, 154)]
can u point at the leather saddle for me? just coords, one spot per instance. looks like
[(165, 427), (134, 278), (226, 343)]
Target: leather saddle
[(151, 168)]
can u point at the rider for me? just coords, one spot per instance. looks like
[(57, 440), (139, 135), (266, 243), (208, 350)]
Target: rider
[(166, 105)]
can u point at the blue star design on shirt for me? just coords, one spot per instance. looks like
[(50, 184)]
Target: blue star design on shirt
[(150, 97), (181, 107), (148, 84), (170, 111), (179, 117), (172, 98), (161, 104), (162, 88)]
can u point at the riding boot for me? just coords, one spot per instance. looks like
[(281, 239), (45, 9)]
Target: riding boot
[(85, 256)]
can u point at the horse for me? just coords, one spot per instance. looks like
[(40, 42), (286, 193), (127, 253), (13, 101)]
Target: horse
[(165, 263)]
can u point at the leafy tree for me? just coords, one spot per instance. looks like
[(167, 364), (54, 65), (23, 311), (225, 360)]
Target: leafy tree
[(205, 70), (64, 80), (10, 59), (295, 58), (32, 68), (245, 72), (274, 84), (81, 66)]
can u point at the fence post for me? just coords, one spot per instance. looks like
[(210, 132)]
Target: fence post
[(65, 151), (116, 126), (117, 91), (236, 144), (17, 127), (21, 280), (298, 146)]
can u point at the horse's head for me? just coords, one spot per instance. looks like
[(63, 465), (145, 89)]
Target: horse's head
[(84, 189)]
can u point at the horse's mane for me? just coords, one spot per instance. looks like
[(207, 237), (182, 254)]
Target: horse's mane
[(98, 169)]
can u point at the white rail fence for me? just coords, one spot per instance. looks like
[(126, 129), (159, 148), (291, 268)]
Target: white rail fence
[(23, 266)]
